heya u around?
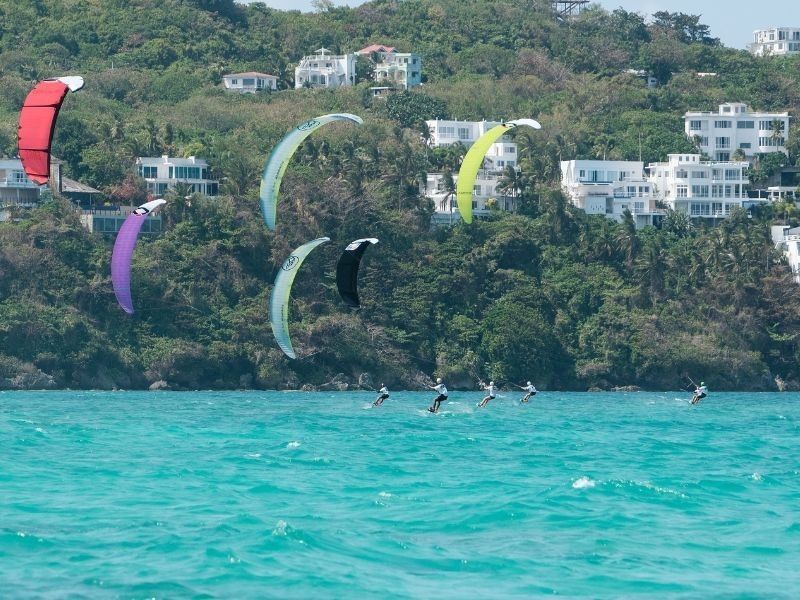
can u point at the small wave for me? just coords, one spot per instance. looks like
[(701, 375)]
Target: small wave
[(292, 445), (756, 476), (384, 494), (253, 455), (583, 483)]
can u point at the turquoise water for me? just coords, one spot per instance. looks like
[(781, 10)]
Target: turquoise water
[(296, 495)]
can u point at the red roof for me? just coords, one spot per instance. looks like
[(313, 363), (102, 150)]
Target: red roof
[(376, 48)]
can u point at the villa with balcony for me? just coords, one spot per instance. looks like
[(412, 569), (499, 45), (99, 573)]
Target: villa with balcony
[(163, 172), (16, 190), (325, 70), (609, 188), (775, 41), (701, 189), (487, 192), (399, 70), (733, 127), (787, 240)]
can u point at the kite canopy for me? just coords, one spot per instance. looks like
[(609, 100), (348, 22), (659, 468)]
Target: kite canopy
[(279, 159), (122, 255), (279, 301), (37, 121), (347, 270), (474, 159)]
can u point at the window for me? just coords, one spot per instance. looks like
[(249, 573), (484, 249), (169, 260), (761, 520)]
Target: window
[(638, 207), (722, 124), (699, 191), (746, 125), (745, 145), (732, 174), (476, 189), (728, 191), (716, 208), (699, 209), (234, 82), (249, 82), (582, 173), (187, 173), (704, 141), (723, 142), (463, 133), (767, 125), (447, 131), (695, 125), (148, 172), (699, 174), (770, 142), (726, 109), (717, 191), (723, 156), (681, 174), (511, 149)]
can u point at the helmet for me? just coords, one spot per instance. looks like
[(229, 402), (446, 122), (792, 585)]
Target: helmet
[(491, 383), (438, 380), (702, 383), (529, 383)]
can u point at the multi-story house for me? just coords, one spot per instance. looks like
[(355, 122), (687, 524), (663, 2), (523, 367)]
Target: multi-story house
[(16, 190), (609, 188), (489, 192), (164, 172), (325, 70), (720, 134), (251, 82), (701, 189), (775, 41), (400, 70)]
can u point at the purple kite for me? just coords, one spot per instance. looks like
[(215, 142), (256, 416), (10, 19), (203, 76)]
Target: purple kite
[(123, 253)]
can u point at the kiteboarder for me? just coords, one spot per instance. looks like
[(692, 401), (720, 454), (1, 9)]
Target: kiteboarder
[(383, 394), (490, 395), (442, 390), (530, 389), (700, 392)]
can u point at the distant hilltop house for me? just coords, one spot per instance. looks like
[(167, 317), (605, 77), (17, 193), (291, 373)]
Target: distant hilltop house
[(250, 83), (609, 188), (701, 189), (487, 190), (393, 69), (163, 172), (775, 41), (649, 79), (325, 70), (733, 128)]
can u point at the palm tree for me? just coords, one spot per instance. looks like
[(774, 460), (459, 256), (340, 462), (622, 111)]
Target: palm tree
[(627, 240)]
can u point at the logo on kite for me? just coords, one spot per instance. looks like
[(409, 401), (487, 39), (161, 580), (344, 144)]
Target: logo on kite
[(308, 125), (290, 263)]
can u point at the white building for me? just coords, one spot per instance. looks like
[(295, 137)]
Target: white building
[(250, 82), (163, 172), (775, 41), (326, 70), (487, 193), (609, 188), (16, 190), (733, 128), (707, 189), (399, 70), (788, 240)]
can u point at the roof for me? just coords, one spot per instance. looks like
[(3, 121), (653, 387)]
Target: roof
[(376, 48), (249, 74), (794, 231), (70, 186)]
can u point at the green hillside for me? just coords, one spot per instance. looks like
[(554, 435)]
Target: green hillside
[(549, 295)]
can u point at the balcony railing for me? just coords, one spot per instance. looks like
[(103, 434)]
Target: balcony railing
[(16, 183)]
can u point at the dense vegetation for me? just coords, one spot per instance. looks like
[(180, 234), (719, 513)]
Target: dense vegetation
[(548, 295)]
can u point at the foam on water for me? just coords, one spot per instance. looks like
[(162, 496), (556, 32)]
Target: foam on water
[(285, 494)]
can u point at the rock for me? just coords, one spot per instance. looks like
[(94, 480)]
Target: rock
[(626, 388), (33, 381), (365, 381), (595, 389), (307, 387), (159, 385)]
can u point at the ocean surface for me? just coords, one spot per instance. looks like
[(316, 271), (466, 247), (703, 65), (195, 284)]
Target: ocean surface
[(318, 495)]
